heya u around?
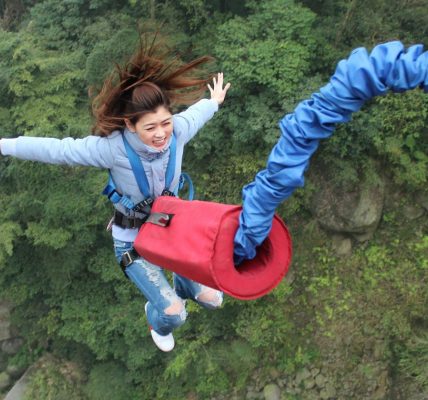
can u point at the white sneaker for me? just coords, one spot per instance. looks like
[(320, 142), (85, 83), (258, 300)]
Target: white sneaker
[(164, 343)]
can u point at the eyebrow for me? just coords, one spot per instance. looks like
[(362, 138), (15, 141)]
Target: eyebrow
[(152, 123)]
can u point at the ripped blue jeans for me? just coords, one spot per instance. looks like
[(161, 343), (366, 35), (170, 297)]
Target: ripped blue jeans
[(166, 308)]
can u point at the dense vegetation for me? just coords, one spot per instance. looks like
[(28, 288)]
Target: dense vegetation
[(56, 260)]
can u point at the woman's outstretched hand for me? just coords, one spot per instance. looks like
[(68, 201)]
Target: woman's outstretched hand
[(218, 93)]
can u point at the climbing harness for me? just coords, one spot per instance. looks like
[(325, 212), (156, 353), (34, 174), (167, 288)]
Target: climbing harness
[(144, 206)]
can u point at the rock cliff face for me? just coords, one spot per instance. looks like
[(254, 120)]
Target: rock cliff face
[(10, 344), (4, 321), (354, 211)]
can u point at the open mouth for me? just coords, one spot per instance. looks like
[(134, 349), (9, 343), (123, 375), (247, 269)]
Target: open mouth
[(159, 142)]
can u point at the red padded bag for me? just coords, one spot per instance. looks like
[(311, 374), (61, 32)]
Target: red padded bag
[(198, 244)]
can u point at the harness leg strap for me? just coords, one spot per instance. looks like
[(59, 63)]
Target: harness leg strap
[(127, 259)]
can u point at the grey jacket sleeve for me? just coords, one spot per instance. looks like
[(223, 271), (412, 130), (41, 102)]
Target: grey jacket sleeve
[(89, 151), (188, 122)]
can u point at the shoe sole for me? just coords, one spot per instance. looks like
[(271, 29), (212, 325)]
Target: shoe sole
[(165, 350)]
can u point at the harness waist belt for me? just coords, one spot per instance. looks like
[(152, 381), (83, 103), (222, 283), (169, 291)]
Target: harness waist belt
[(127, 222)]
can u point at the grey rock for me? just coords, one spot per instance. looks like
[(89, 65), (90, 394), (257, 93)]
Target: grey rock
[(311, 395), (309, 383), (272, 392), (3, 362), (274, 373), (302, 375), (382, 386), (422, 200), (290, 390), (342, 245), (12, 346), (363, 237), (379, 350), (252, 395), (4, 330), (356, 211), (412, 212), (329, 392), (18, 390), (5, 320), (5, 380), (320, 381), (15, 371), (282, 382), (290, 277)]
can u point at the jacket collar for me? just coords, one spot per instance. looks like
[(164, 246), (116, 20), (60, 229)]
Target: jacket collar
[(146, 152)]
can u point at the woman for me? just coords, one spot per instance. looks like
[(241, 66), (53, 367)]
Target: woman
[(134, 107)]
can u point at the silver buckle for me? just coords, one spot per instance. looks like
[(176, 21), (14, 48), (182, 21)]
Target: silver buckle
[(160, 219), (127, 259)]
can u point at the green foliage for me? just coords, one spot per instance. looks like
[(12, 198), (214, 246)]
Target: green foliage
[(52, 381), (347, 24), (414, 360), (8, 233), (258, 54), (108, 381), (119, 47), (65, 24), (391, 130), (404, 142), (266, 64)]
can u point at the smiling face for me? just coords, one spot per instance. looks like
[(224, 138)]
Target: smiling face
[(153, 128)]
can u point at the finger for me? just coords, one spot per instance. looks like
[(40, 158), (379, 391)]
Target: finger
[(220, 79), (210, 88), (226, 88)]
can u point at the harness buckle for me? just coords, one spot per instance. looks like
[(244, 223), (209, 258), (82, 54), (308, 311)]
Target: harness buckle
[(126, 259), (167, 192), (161, 219), (112, 193), (144, 206)]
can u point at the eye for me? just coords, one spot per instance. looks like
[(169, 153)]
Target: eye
[(150, 129), (167, 123)]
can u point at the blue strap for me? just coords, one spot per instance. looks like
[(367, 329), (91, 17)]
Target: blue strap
[(137, 168), (110, 191), (184, 177), (114, 196), (170, 169), (141, 178)]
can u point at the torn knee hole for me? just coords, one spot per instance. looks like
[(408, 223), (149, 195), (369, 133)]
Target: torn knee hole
[(175, 308), (210, 296)]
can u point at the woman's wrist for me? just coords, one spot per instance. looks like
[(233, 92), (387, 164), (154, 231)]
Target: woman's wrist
[(8, 147)]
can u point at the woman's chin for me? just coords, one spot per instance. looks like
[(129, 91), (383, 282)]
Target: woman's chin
[(158, 146)]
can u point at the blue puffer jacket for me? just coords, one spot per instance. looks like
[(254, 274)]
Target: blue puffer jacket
[(109, 152)]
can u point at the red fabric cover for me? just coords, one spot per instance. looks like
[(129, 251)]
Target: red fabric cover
[(198, 244)]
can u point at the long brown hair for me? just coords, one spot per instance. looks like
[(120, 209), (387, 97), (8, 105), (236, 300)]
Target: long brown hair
[(153, 77)]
